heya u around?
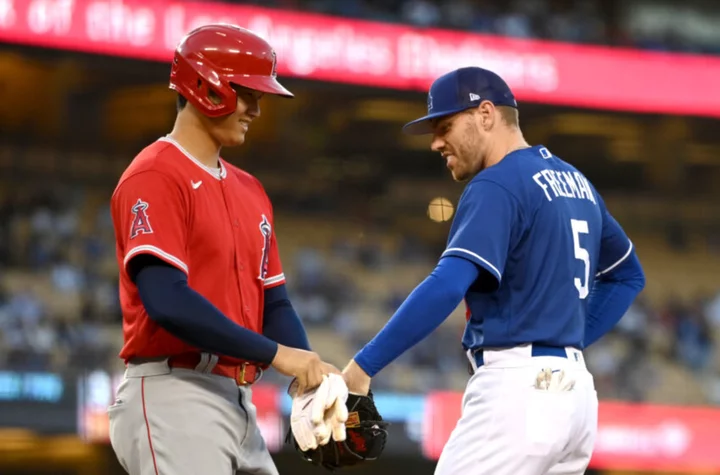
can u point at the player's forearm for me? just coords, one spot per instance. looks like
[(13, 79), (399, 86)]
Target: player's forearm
[(280, 321), (186, 314), (422, 312), (611, 297)]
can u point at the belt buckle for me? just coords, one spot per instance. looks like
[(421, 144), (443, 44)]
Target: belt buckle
[(258, 374), (242, 374)]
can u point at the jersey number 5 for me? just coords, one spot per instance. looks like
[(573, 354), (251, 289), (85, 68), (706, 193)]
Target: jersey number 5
[(581, 254)]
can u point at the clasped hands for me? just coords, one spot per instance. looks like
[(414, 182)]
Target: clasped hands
[(319, 411)]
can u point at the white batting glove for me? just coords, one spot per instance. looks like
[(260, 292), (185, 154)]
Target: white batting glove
[(329, 409), (337, 414), (301, 421), (320, 414), (556, 380)]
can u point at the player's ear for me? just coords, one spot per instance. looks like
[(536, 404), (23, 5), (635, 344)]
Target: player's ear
[(486, 114)]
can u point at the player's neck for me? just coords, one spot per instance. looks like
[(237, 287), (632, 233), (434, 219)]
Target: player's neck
[(196, 141), (513, 141)]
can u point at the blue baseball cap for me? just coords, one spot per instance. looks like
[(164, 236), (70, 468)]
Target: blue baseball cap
[(459, 90)]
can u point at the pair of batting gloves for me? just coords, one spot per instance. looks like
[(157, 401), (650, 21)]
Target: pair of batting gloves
[(554, 380), (320, 414)]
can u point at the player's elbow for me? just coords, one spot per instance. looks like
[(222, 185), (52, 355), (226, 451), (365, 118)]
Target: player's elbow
[(158, 308), (158, 312), (640, 281), (636, 275), (629, 274)]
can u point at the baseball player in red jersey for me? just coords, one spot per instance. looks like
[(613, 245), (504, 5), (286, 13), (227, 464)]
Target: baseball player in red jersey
[(202, 289)]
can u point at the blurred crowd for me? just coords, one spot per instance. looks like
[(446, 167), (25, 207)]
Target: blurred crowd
[(576, 21), (666, 353), (59, 307), (58, 293)]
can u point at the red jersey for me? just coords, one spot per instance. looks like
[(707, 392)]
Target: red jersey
[(216, 225)]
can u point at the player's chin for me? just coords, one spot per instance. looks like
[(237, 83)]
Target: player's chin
[(233, 140), (458, 175)]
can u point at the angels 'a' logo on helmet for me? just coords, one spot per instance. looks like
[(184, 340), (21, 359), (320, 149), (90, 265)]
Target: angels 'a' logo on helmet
[(140, 222), (266, 231), (274, 64)]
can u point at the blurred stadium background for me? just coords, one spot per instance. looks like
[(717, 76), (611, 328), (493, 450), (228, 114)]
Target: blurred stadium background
[(627, 90)]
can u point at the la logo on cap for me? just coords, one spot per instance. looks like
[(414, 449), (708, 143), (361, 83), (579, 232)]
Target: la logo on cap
[(429, 102)]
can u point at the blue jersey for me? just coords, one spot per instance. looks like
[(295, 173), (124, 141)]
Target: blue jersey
[(542, 234)]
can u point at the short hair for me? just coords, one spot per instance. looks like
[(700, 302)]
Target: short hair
[(509, 115), (181, 102)]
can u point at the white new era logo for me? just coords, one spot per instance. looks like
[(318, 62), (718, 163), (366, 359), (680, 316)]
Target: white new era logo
[(474, 97)]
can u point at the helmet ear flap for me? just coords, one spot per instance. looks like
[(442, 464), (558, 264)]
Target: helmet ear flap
[(202, 87)]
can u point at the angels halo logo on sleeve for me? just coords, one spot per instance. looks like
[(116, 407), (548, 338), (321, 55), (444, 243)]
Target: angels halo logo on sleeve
[(140, 222)]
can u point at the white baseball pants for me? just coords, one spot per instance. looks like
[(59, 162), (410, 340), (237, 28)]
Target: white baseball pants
[(508, 427)]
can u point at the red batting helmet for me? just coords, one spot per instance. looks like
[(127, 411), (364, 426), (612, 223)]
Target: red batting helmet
[(214, 57)]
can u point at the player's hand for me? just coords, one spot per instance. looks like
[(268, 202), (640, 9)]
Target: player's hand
[(320, 413), (357, 380), (305, 366)]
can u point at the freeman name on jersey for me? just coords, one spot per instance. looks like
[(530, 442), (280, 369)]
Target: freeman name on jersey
[(564, 184)]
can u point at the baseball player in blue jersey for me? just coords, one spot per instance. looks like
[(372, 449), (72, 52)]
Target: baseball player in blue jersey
[(544, 271)]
